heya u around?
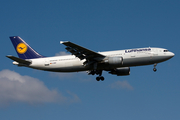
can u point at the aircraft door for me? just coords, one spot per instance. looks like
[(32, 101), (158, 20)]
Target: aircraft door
[(46, 63), (155, 52)]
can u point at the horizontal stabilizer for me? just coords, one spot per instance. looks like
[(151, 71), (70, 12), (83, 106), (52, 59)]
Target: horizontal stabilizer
[(19, 60)]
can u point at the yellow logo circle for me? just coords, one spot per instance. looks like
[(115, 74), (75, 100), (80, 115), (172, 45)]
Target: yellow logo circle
[(21, 48)]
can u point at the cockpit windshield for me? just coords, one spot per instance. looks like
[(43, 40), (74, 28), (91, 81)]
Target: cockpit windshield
[(166, 51)]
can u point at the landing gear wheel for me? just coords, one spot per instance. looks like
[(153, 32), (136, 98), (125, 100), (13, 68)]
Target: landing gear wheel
[(102, 78), (98, 78), (98, 72), (154, 69)]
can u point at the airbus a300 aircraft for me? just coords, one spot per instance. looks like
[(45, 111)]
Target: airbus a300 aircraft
[(82, 59)]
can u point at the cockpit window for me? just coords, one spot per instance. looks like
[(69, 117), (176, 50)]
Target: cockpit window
[(166, 51)]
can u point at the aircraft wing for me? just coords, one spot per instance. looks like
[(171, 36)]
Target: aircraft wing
[(19, 60), (81, 52)]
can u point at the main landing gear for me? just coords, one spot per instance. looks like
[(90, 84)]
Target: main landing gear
[(154, 69), (97, 72), (99, 77)]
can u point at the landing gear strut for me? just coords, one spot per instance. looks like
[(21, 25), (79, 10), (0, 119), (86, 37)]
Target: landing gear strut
[(97, 72), (154, 69), (99, 77)]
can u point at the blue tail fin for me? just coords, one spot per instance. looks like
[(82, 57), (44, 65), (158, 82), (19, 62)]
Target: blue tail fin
[(23, 50)]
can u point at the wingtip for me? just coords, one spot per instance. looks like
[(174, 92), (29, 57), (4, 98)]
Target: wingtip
[(61, 42), (8, 56)]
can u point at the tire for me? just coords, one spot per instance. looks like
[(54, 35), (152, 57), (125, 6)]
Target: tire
[(98, 78), (102, 78)]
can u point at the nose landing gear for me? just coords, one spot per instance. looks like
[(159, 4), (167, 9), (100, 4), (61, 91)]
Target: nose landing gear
[(154, 69)]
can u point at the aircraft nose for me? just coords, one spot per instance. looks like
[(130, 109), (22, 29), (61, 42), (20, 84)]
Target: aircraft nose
[(171, 54)]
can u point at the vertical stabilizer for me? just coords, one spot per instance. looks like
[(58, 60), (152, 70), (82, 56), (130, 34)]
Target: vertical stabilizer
[(23, 50)]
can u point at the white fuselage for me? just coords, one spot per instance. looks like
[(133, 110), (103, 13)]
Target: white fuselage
[(131, 57)]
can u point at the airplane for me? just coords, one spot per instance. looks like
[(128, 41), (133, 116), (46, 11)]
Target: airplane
[(82, 59)]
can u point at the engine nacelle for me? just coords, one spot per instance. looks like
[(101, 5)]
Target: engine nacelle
[(121, 71), (114, 60)]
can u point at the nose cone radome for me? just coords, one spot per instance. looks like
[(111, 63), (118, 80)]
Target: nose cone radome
[(171, 54)]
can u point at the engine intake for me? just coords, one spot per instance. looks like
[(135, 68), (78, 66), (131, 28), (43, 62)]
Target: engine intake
[(121, 71)]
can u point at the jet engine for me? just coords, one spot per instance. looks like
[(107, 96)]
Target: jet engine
[(114, 60), (121, 71)]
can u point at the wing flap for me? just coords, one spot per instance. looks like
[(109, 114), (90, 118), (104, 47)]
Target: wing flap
[(81, 52)]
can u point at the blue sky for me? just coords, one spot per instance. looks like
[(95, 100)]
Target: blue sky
[(99, 25)]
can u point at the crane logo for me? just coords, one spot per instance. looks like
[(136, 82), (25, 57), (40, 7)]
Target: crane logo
[(21, 48)]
